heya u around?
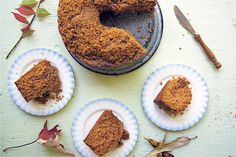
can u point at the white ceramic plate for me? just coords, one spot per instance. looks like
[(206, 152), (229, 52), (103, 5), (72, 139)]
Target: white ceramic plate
[(24, 63), (195, 110), (87, 117)]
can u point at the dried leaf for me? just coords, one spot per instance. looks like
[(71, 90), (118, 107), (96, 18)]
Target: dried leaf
[(59, 147), (46, 134), (29, 3), (24, 10), (157, 144), (181, 141), (27, 33), (50, 138), (41, 1), (153, 142), (41, 12), (26, 28), (20, 18), (165, 154)]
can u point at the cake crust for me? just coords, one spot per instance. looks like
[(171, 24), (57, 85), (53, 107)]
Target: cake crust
[(106, 134), (40, 83), (93, 43), (175, 96)]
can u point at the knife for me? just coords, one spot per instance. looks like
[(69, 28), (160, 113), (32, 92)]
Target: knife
[(185, 23)]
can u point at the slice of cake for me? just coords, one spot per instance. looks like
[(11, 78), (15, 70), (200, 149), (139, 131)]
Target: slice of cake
[(40, 83), (106, 134), (175, 96)]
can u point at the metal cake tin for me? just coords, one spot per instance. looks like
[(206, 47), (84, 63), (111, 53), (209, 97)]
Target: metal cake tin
[(146, 27)]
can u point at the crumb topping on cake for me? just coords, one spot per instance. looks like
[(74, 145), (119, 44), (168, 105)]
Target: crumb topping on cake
[(93, 43)]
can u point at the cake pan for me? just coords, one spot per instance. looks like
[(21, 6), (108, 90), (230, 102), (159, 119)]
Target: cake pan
[(146, 27)]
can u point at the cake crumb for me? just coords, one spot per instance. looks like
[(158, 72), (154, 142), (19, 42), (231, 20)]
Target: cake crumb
[(143, 36), (149, 24), (138, 29), (235, 24)]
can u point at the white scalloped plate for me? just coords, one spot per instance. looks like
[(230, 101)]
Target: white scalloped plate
[(24, 63), (88, 115), (195, 110)]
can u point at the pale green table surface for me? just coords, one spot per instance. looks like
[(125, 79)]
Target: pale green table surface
[(215, 20)]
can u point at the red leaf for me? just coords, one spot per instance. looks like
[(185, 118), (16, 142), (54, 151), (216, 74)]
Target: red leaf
[(24, 10), (26, 28), (20, 18), (46, 134), (50, 138), (41, 1)]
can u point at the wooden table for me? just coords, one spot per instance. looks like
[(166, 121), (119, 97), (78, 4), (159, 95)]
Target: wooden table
[(215, 20)]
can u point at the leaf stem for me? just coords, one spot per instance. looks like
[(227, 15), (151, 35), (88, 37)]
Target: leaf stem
[(9, 53), (20, 145), (21, 37), (34, 14), (165, 136), (194, 138)]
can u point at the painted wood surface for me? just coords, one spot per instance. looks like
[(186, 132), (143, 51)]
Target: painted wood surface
[(214, 20)]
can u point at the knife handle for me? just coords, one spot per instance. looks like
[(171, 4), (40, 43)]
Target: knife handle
[(209, 53)]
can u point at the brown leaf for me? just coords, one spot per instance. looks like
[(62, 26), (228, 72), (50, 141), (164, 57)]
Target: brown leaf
[(20, 18), (153, 142), (27, 33), (165, 154), (157, 144), (179, 142), (41, 1), (24, 10)]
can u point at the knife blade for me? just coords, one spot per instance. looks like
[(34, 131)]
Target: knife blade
[(185, 23), (183, 20)]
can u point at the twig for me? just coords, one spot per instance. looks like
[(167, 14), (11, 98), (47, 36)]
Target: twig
[(21, 37), (165, 136), (20, 145), (14, 47)]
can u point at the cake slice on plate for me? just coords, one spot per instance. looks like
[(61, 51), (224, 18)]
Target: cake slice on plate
[(175, 96), (107, 134), (40, 83)]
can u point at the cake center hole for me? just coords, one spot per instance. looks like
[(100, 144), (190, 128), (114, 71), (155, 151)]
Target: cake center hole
[(108, 19)]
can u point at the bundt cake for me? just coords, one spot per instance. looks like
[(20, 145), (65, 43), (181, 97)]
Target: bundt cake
[(40, 83), (106, 134), (175, 96), (93, 43)]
